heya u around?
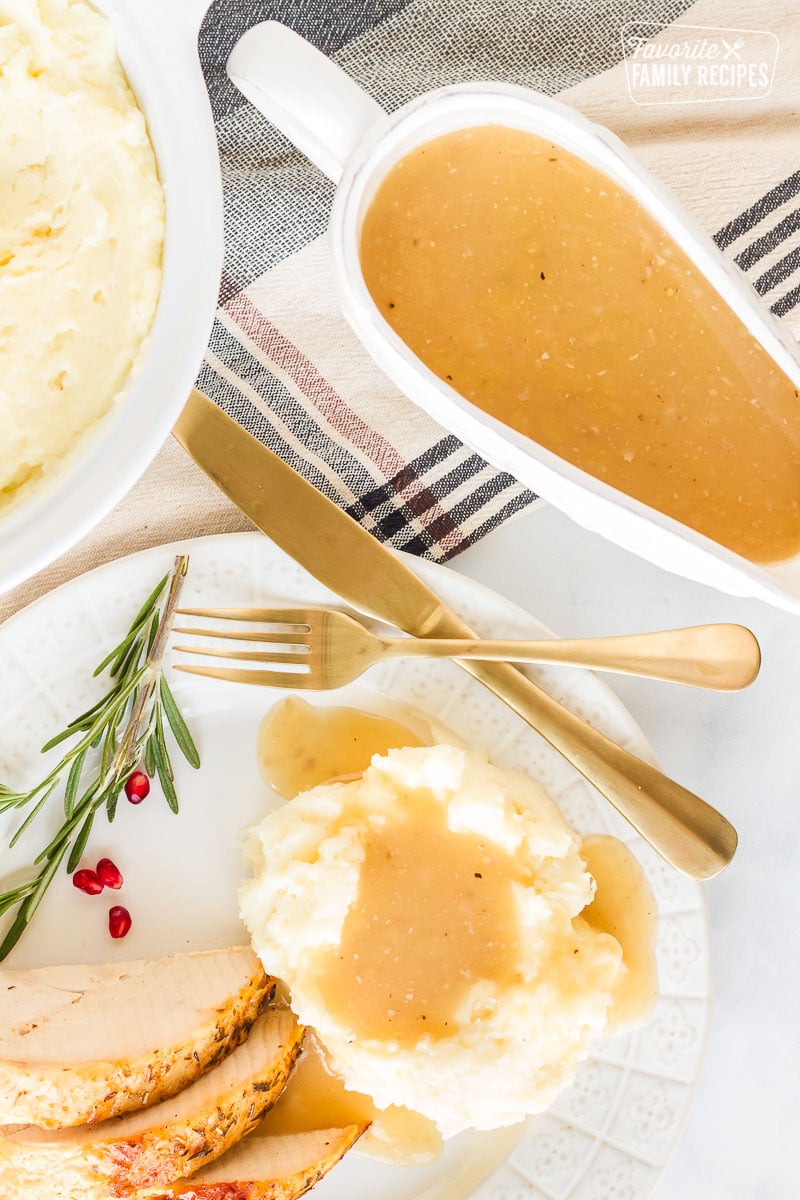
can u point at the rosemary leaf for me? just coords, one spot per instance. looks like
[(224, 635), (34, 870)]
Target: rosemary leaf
[(15, 895), (122, 666), (112, 800), (109, 750), (109, 658), (117, 655), (33, 814), (80, 843), (178, 726), (150, 757), (85, 719), (73, 779), (44, 880), (167, 786), (12, 800), (113, 727), (114, 702), (36, 889), (16, 929), (150, 602), (64, 834), (133, 659), (59, 738), (161, 746), (164, 772), (136, 625), (23, 799)]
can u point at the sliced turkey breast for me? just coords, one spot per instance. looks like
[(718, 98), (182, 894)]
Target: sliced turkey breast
[(159, 1145), (273, 1167), (81, 1044)]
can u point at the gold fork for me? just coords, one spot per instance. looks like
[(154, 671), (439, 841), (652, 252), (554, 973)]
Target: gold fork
[(327, 649)]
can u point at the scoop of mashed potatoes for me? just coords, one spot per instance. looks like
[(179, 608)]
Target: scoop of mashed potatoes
[(81, 232), (426, 918)]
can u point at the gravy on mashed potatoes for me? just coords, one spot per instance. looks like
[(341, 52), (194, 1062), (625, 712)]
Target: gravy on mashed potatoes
[(81, 232), (436, 924)]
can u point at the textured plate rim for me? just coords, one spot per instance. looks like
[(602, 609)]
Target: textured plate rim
[(431, 572)]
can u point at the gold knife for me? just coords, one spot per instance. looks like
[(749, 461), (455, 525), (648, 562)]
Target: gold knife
[(687, 832)]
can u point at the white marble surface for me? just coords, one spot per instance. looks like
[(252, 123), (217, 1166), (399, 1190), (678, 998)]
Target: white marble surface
[(741, 752)]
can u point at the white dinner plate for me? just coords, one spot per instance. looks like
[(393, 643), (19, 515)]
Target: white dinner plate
[(613, 1131)]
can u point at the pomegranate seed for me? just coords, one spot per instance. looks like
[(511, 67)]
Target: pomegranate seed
[(109, 874), (119, 921), (137, 786), (88, 881)]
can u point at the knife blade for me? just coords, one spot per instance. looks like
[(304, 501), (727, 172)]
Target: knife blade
[(690, 834)]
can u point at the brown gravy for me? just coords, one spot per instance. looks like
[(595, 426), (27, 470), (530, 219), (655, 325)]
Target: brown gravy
[(624, 906), (316, 1098), (435, 913), (548, 297), (300, 746)]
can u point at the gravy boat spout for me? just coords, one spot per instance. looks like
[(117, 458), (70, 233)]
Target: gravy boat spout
[(356, 144)]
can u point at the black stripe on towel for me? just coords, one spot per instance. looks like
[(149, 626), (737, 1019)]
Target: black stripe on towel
[(755, 214), (779, 271), (786, 303), (768, 241)]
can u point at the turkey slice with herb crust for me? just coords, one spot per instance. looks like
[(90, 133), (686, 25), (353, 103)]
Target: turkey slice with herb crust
[(82, 1044), (162, 1144), (272, 1167)]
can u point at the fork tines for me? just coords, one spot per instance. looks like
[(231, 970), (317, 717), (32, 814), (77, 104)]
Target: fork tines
[(293, 641)]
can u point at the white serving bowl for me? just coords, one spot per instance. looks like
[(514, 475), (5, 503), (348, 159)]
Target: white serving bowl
[(157, 43), (356, 143)]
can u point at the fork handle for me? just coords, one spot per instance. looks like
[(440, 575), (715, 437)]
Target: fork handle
[(722, 658), (685, 830)]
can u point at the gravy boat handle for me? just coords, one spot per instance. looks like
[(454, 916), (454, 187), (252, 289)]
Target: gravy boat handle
[(319, 108)]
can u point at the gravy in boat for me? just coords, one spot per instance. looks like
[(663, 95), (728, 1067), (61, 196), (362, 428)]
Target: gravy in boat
[(544, 294)]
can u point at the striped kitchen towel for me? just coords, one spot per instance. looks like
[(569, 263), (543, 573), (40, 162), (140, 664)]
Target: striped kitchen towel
[(281, 358)]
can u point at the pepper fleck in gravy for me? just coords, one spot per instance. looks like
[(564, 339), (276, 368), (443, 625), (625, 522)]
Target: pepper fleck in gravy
[(544, 294)]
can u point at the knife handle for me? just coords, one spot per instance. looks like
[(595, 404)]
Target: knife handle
[(685, 830)]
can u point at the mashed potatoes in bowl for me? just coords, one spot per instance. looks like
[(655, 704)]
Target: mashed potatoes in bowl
[(109, 98), (82, 218), (432, 922)]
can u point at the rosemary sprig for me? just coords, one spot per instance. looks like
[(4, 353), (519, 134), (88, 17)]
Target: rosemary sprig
[(124, 731)]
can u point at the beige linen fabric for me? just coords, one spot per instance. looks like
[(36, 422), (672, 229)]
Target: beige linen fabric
[(719, 158), (174, 499)]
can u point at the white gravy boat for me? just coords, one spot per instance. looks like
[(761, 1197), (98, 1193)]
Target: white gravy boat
[(157, 45), (355, 143)]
